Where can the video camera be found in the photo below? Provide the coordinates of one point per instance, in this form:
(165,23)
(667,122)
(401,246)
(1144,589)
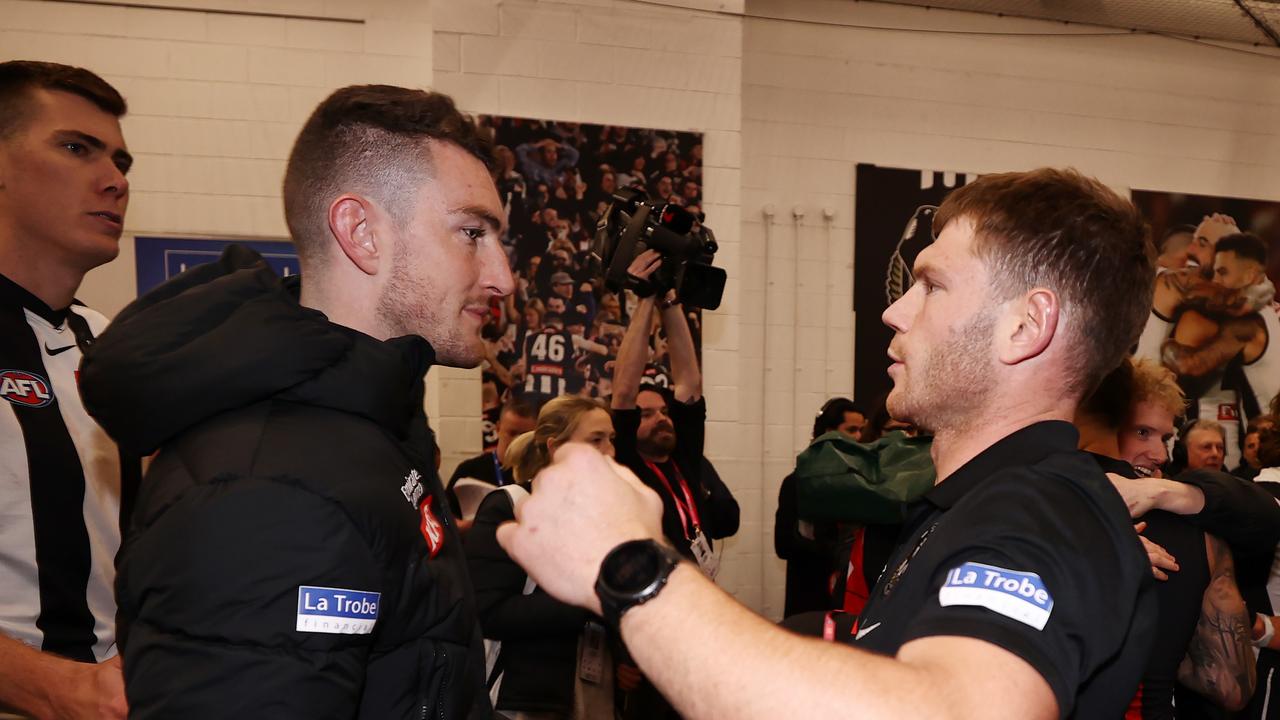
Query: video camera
(632,225)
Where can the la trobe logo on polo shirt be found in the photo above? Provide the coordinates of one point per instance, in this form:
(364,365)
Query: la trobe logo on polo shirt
(1021,596)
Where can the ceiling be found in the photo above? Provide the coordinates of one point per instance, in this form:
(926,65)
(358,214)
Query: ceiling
(1244,21)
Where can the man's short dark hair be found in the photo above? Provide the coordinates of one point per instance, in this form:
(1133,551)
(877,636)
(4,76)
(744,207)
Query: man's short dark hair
(1174,231)
(1246,246)
(520,407)
(831,415)
(1260,422)
(18,78)
(371,139)
(1072,234)
(667,396)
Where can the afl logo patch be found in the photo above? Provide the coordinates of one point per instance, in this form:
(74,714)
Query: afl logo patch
(26,389)
(432,530)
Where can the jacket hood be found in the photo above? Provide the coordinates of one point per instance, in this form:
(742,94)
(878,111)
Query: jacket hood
(229,334)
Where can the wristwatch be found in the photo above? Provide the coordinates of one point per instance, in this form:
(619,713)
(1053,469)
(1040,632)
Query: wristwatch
(633,573)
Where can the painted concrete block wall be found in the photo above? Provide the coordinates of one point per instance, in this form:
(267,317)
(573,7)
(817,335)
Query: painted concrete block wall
(216,99)
(821,95)
(637,64)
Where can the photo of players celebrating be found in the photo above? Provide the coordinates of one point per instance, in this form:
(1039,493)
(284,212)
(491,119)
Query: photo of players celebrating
(560,331)
(1215,316)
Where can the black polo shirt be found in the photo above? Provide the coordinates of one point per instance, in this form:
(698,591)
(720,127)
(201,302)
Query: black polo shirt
(1030,548)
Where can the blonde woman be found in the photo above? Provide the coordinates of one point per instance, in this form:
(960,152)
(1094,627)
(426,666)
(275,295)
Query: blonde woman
(554,663)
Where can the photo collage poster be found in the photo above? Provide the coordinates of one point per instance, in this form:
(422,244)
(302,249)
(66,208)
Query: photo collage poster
(1219,337)
(560,331)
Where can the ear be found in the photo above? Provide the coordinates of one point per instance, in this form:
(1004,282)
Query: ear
(1028,327)
(352,225)
(551,448)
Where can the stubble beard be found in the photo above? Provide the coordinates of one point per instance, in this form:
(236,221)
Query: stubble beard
(411,305)
(955,384)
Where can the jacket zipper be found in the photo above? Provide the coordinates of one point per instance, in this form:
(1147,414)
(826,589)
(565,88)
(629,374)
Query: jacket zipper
(441,684)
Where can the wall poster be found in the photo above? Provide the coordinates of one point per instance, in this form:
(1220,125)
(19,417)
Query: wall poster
(560,331)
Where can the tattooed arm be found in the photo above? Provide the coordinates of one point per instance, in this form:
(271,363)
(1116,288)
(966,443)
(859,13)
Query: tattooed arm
(1220,662)
(1234,336)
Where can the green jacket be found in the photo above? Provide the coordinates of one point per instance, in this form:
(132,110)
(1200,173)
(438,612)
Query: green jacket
(844,480)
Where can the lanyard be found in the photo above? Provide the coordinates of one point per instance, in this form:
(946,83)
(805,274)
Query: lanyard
(499,478)
(687,508)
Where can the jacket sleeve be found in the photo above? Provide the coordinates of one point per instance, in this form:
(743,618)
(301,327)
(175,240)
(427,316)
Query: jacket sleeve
(1238,511)
(505,612)
(721,509)
(690,422)
(626,423)
(213,585)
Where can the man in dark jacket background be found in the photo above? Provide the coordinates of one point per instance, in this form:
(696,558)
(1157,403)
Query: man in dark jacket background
(291,554)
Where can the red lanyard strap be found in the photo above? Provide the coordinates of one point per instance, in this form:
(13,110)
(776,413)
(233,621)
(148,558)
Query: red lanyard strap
(686,508)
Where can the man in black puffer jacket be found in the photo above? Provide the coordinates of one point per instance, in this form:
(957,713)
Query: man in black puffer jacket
(291,554)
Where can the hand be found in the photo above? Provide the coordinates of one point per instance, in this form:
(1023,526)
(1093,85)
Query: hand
(645,264)
(628,677)
(1217,226)
(1160,558)
(582,506)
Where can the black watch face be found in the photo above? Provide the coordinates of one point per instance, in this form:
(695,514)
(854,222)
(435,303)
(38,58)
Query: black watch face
(632,568)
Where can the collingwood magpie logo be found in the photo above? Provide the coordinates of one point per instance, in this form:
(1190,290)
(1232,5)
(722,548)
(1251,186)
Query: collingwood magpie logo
(412,488)
(917,236)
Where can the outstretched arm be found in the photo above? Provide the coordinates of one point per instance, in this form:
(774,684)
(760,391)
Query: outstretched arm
(685,374)
(581,343)
(634,352)
(681,637)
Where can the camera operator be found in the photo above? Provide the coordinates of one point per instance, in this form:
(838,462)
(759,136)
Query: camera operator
(659,437)
(660,434)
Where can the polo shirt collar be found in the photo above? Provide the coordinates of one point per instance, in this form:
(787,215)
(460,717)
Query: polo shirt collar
(1027,446)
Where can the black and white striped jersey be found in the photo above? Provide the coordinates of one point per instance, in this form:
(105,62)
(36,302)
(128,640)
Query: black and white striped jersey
(60,485)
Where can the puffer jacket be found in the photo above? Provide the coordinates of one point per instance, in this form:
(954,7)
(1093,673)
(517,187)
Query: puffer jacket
(290,554)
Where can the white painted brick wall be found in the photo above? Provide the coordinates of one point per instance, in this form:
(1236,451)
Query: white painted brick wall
(216,100)
(817,99)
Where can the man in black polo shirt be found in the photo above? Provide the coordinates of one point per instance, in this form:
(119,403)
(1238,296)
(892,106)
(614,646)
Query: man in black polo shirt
(1203,638)
(1020,589)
